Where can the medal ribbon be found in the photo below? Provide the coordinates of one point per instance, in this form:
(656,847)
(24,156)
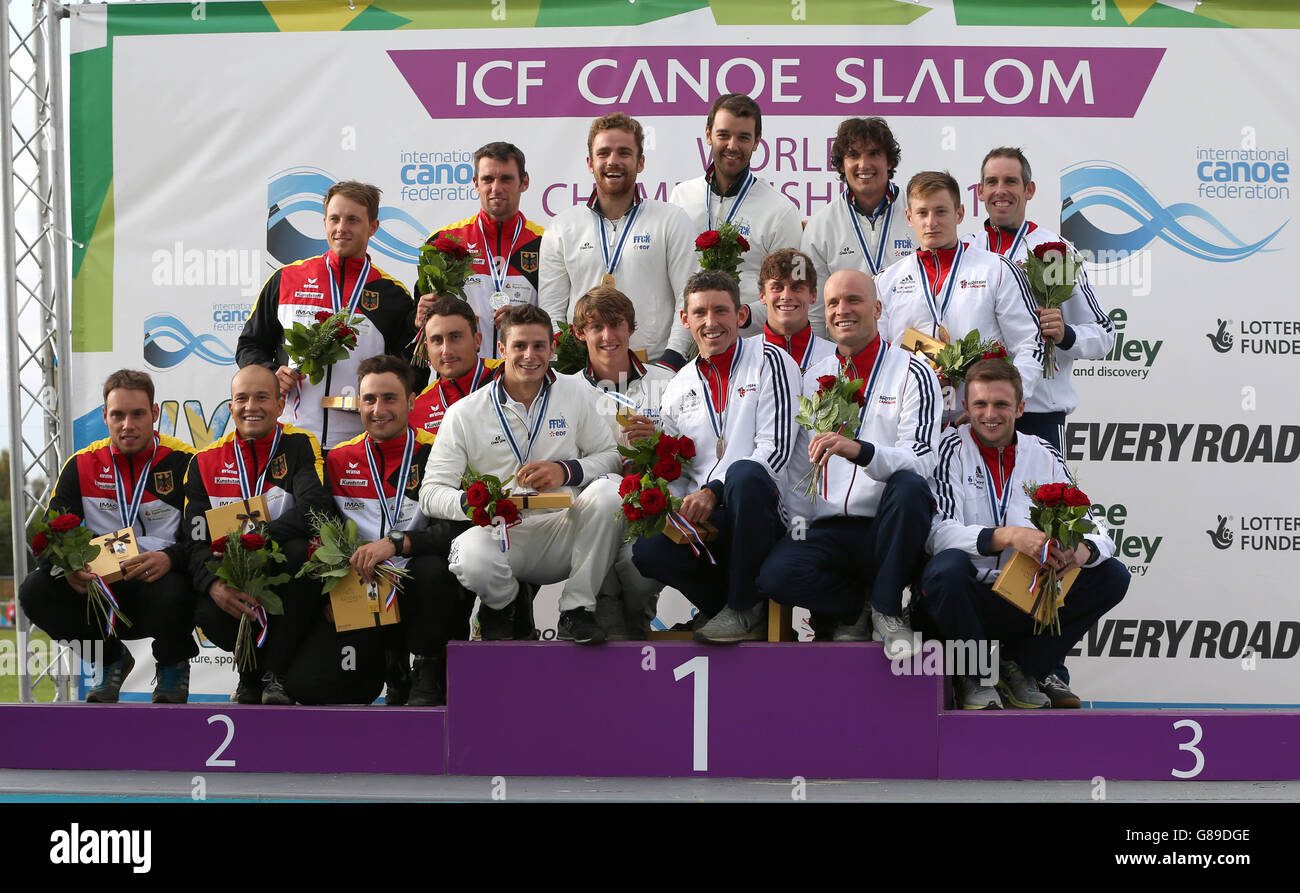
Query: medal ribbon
(499,275)
(113,607)
(938,311)
(245,486)
(1042,560)
(876,263)
(999,509)
(390,516)
(735,206)
(1015,243)
(716,419)
(692,536)
(259,614)
(545,397)
(611,262)
(128,512)
(336,298)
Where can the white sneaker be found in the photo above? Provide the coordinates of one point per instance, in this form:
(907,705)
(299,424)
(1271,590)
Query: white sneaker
(969,694)
(896,633)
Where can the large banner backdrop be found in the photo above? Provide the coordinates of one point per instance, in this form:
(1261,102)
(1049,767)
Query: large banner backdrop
(204,136)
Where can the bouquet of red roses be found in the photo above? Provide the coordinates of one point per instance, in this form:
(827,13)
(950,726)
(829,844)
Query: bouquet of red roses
(243,561)
(570,351)
(721,248)
(313,349)
(647,504)
(67,543)
(836,406)
(1052,269)
(1060,511)
(445,264)
(660,455)
(488,502)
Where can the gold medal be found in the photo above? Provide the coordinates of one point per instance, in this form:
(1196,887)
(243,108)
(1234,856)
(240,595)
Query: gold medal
(607,279)
(943,335)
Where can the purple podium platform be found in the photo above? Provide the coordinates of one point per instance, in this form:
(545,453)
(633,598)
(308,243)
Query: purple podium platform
(681,709)
(232,738)
(1168,744)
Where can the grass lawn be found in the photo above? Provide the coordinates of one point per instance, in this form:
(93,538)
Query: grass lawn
(44,691)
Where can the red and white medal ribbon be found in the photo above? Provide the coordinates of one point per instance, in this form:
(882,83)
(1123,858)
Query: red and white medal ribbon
(1042,560)
(687,529)
(259,614)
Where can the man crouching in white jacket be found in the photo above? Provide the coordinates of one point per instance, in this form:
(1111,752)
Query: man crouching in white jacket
(544,431)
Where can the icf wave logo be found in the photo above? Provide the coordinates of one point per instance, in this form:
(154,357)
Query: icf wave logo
(1105,184)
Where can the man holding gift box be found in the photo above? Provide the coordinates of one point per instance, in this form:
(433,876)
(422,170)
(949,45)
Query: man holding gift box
(283,465)
(738,403)
(132,479)
(604,319)
(787,284)
(545,432)
(342,279)
(730,193)
(641,246)
(434,608)
(451,342)
(870,517)
(982,518)
(950,288)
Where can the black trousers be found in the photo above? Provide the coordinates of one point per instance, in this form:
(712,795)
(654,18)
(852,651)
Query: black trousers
(161,609)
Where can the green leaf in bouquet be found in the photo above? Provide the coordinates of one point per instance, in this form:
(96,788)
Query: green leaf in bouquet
(272,602)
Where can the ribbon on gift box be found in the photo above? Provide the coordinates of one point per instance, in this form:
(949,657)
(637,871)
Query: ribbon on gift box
(250,515)
(687,529)
(113,539)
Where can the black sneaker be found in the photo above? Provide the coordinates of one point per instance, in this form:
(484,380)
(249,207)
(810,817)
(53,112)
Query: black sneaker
(397,687)
(273,693)
(497,624)
(249,690)
(109,679)
(428,683)
(578,625)
(172,683)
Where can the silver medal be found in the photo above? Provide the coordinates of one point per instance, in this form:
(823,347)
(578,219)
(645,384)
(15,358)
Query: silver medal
(498,300)
(722,447)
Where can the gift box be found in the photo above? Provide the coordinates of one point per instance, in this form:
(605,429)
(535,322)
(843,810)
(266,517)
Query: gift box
(708,533)
(114,548)
(918,342)
(350,403)
(358,605)
(1017,575)
(243,516)
(552,499)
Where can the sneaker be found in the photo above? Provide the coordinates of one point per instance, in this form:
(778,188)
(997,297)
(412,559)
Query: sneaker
(273,692)
(730,625)
(1059,694)
(497,624)
(896,633)
(397,678)
(109,679)
(1019,690)
(578,625)
(172,683)
(428,683)
(970,695)
(858,631)
(249,690)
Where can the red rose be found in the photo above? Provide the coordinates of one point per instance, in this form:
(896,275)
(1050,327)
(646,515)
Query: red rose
(508,511)
(39,542)
(710,239)
(1050,494)
(312,545)
(252,541)
(219,546)
(740,240)
(346,333)
(668,469)
(478,495)
(686,447)
(653,501)
(323,315)
(481,518)
(630,484)
(1076,497)
(1042,251)
(449,246)
(860,397)
(632,513)
(667,446)
(997,352)
(64,523)
(825,383)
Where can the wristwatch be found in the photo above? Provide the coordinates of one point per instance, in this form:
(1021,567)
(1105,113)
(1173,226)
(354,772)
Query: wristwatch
(398,539)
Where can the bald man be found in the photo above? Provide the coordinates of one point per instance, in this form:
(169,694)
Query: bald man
(869,521)
(284,465)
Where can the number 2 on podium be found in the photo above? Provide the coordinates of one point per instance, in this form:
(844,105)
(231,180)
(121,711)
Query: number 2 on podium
(699,668)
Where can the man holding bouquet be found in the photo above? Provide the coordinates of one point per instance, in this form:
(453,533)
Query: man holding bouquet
(534,431)
(281,463)
(983,518)
(340,281)
(871,510)
(737,403)
(132,479)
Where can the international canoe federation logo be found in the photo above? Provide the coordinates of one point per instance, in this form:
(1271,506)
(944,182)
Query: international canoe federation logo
(295,202)
(1222,339)
(1221,536)
(1104,184)
(169,342)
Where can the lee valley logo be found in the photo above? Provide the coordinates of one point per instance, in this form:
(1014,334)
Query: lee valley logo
(90,847)
(1256,533)
(1129,358)
(1256,336)
(1127,546)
